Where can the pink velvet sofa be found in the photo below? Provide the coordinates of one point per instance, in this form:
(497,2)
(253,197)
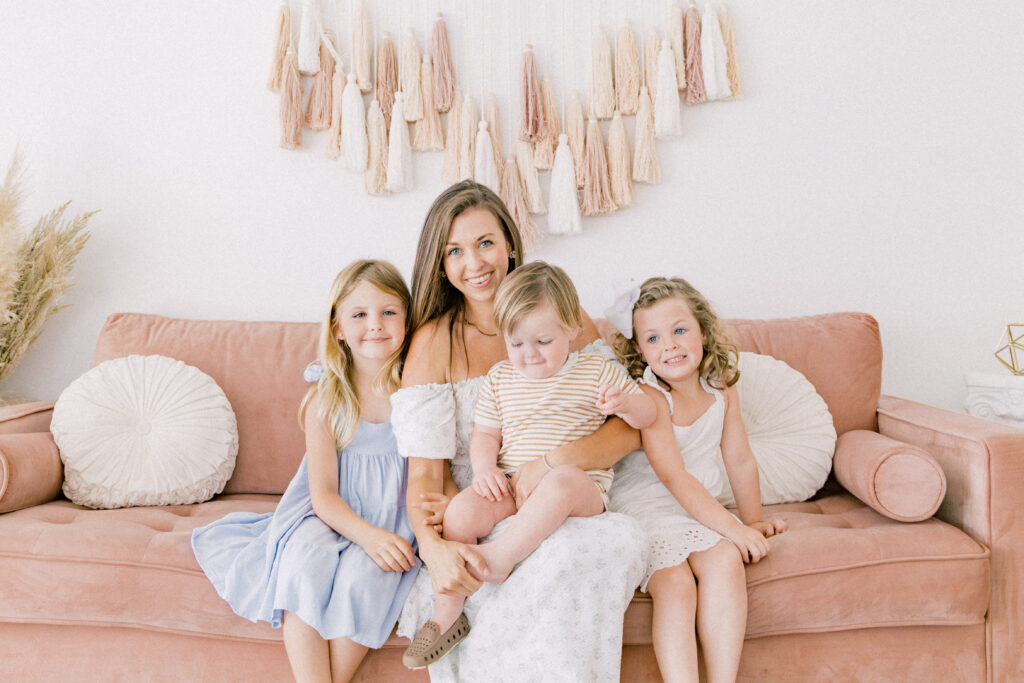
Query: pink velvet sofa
(846,594)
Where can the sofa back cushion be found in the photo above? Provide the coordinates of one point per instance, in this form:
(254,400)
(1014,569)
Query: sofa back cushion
(258,365)
(840,353)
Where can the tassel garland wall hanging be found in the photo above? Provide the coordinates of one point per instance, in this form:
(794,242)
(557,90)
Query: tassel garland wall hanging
(427,134)
(563,202)
(353,126)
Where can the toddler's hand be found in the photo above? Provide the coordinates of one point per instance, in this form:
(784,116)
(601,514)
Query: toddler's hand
(389,551)
(770,527)
(491,484)
(610,400)
(751,543)
(435,504)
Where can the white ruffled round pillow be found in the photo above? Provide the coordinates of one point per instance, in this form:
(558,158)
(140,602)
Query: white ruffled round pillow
(789,427)
(144,430)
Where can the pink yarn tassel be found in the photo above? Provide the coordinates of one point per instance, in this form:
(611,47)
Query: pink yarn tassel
(532,127)
(694,70)
(444,75)
(387,77)
(597,192)
(512,194)
(291,102)
(321,98)
(284,39)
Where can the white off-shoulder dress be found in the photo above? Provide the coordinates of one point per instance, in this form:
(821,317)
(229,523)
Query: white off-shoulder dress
(637,491)
(559,615)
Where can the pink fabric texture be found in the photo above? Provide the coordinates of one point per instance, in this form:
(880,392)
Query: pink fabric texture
(30,470)
(20,418)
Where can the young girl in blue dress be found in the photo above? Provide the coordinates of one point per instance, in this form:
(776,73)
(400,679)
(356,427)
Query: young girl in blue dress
(334,563)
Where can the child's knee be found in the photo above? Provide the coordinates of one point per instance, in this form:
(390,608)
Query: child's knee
(721,560)
(460,515)
(567,478)
(674,584)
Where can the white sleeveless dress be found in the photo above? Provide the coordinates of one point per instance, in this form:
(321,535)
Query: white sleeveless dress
(672,533)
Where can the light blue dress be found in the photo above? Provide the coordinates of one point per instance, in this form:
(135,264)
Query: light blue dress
(289,560)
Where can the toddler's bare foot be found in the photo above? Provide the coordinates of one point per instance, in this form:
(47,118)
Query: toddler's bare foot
(498,566)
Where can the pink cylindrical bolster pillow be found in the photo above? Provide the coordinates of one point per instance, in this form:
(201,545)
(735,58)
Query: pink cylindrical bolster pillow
(31,472)
(900,481)
(22,418)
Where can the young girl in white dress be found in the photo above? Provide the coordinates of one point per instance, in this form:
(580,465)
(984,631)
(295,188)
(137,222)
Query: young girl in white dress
(335,561)
(695,575)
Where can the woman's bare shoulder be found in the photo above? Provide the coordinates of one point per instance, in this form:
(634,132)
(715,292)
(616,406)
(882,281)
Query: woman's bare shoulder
(429,354)
(588,332)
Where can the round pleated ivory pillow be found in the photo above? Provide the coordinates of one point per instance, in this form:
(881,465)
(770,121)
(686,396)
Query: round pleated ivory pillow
(789,428)
(144,430)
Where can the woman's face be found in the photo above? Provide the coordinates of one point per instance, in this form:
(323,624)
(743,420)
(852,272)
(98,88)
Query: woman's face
(476,254)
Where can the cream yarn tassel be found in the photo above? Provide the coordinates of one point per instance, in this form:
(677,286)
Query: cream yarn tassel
(375,176)
(444,76)
(666,108)
(309,38)
(531,112)
(493,119)
(544,150)
(602,89)
(291,102)
(399,173)
(450,160)
(427,134)
(645,157)
(576,130)
(627,70)
(334,134)
(512,195)
(733,68)
(714,57)
(411,88)
(284,39)
(528,177)
(651,49)
(321,98)
(353,126)
(467,138)
(620,163)
(563,202)
(484,170)
(694,71)
(675,23)
(597,193)
(387,77)
(362,48)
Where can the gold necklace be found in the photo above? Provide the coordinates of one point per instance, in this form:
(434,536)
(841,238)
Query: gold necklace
(466,321)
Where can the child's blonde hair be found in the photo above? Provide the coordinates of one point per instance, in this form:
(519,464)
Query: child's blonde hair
(339,402)
(718,367)
(527,287)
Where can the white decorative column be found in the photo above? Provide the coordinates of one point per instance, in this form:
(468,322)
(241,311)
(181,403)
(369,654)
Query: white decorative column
(996,396)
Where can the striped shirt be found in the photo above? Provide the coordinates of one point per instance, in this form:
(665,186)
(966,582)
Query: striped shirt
(535,416)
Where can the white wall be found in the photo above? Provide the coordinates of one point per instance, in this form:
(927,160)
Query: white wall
(874,164)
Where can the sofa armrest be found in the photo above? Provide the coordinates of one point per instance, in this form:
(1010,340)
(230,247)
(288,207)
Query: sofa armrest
(22,418)
(31,472)
(984,466)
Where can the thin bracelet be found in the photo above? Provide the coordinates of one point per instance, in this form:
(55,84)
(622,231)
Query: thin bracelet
(544,459)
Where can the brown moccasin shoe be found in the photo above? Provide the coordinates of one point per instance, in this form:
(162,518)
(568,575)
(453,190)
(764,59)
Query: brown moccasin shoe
(430,645)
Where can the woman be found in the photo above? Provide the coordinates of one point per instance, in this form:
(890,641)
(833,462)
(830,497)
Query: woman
(559,615)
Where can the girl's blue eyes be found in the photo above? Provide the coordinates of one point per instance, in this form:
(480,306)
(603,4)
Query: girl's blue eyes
(653,338)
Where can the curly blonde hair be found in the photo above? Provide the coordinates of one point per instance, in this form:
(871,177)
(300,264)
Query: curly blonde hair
(718,367)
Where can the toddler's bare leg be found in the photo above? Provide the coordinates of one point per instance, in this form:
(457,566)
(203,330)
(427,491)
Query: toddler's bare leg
(566,491)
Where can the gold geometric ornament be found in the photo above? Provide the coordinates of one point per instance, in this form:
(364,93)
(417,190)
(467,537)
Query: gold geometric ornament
(1011,349)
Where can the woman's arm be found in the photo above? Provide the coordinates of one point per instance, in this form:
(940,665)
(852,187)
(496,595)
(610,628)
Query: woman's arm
(388,550)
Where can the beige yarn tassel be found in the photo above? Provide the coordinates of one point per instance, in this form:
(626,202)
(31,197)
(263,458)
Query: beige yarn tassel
(362,49)
(284,39)
(544,150)
(387,77)
(651,49)
(714,56)
(528,177)
(645,156)
(399,164)
(627,71)
(602,89)
(291,101)
(733,69)
(444,76)
(411,88)
(531,112)
(675,23)
(450,161)
(310,30)
(563,200)
(597,192)
(576,130)
(484,169)
(334,134)
(694,77)
(620,164)
(321,98)
(427,134)
(375,177)
(468,120)
(512,195)
(493,119)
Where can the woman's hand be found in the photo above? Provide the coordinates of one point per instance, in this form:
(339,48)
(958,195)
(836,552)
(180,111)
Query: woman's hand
(753,546)
(490,484)
(388,550)
(771,527)
(435,504)
(449,562)
(526,478)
